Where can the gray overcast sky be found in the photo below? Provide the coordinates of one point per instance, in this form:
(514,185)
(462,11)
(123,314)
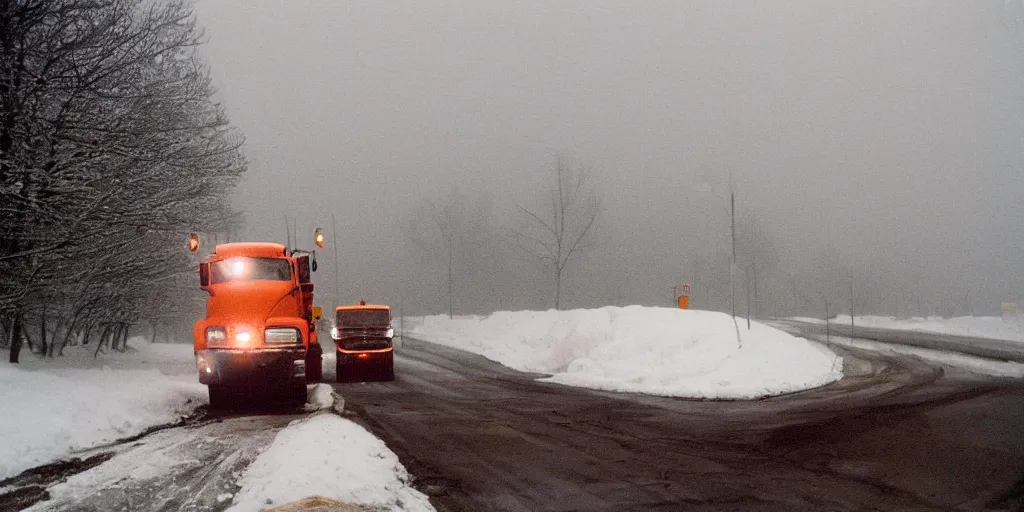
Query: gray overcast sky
(891,131)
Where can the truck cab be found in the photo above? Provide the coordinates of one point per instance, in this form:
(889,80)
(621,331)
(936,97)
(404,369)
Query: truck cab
(363,337)
(259,333)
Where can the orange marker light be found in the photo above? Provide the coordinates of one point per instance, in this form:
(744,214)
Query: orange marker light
(193,242)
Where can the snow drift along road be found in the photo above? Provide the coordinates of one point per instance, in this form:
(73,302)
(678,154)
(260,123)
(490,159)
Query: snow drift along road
(52,410)
(331,457)
(659,351)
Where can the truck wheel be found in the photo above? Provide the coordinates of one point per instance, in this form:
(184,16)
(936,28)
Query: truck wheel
(314,364)
(339,369)
(297,395)
(220,396)
(388,368)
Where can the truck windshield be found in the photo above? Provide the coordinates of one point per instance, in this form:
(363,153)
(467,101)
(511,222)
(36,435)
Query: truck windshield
(364,318)
(251,269)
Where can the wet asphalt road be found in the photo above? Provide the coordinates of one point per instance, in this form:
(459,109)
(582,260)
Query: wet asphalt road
(897,434)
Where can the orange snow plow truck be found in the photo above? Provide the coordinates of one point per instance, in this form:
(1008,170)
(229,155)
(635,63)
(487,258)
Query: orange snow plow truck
(259,336)
(363,337)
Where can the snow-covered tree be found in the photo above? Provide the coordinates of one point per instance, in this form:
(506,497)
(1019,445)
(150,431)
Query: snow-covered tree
(111,150)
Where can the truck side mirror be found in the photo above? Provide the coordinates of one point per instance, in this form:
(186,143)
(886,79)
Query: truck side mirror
(302,267)
(204,275)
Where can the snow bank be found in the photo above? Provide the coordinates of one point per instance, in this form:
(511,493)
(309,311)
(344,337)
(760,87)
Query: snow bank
(327,456)
(323,396)
(660,351)
(53,409)
(973,326)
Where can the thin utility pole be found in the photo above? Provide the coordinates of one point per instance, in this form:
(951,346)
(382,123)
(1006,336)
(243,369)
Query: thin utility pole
(450,308)
(732,222)
(828,331)
(748,306)
(337,270)
(851,304)
(754,268)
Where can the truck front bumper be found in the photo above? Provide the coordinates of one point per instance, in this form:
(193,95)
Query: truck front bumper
(252,368)
(375,357)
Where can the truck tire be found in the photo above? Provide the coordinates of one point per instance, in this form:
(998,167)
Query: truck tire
(314,364)
(297,395)
(340,369)
(388,368)
(221,396)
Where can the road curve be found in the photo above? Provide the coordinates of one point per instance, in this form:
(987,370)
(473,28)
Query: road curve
(896,434)
(999,350)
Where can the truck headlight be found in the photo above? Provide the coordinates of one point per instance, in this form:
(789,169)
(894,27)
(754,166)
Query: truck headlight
(283,335)
(391,333)
(216,336)
(203,365)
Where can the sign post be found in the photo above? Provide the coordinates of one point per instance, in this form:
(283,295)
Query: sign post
(684,298)
(1010,312)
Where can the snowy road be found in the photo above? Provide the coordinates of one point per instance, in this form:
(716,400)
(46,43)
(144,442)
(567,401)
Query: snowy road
(194,467)
(897,433)
(1001,350)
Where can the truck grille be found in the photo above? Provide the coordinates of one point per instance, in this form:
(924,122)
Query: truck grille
(365,343)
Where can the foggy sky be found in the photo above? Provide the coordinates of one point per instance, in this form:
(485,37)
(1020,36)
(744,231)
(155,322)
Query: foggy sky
(890,132)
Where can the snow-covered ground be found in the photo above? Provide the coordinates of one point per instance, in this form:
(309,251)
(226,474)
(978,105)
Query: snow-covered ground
(662,351)
(973,326)
(59,407)
(328,456)
(55,407)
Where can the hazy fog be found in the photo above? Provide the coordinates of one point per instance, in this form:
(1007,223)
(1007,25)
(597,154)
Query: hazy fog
(889,135)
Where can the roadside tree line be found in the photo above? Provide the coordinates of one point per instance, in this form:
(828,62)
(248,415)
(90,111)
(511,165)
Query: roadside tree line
(457,237)
(111,151)
(480,254)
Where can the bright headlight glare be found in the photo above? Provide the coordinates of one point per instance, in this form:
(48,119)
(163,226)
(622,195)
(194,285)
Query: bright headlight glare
(237,267)
(243,337)
(281,335)
(334,332)
(391,332)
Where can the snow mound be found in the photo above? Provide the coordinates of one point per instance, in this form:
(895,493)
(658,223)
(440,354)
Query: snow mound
(331,457)
(661,351)
(322,396)
(51,414)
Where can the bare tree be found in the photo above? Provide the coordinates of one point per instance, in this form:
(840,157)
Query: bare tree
(452,234)
(559,236)
(433,232)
